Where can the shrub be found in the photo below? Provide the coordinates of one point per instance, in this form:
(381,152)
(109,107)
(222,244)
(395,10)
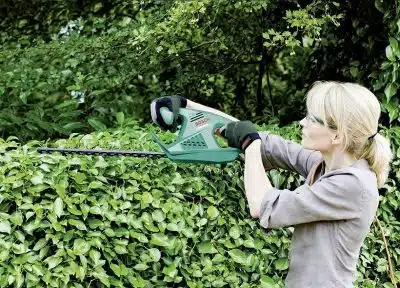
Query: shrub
(89,221)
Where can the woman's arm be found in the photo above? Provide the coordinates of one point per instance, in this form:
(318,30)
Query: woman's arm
(337,196)
(197,106)
(278,152)
(256,182)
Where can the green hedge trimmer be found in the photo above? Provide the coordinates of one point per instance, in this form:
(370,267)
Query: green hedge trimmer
(196,142)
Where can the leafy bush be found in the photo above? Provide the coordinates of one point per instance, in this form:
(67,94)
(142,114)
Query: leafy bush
(60,88)
(92,59)
(89,221)
(131,221)
(52,87)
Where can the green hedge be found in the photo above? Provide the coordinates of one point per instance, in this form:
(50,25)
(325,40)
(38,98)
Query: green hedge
(90,221)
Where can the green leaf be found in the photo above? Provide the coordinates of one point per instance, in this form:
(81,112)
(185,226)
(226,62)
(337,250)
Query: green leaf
(281,264)
(173,227)
(218,283)
(39,244)
(267,282)
(81,247)
(125,21)
(235,232)
(146,199)
(213,212)
(170,270)
(17,218)
(5,227)
(95,256)
(95,210)
(141,267)
(74,87)
(53,261)
(58,207)
(97,124)
(102,276)
(389,53)
(115,269)
(120,249)
(155,254)
(4,254)
(37,178)
(202,222)
(37,269)
(188,232)
(390,90)
(354,72)
(109,232)
(239,257)
(120,118)
(395,46)
(78,224)
(207,247)
(139,236)
(158,215)
(22,23)
(74,126)
(160,240)
(178,180)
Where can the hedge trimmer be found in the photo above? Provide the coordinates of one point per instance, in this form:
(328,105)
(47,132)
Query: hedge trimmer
(195,143)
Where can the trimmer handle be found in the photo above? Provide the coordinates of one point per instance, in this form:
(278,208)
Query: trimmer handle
(167,115)
(165,112)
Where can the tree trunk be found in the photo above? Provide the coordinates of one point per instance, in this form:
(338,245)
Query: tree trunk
(269,60)
(260,94)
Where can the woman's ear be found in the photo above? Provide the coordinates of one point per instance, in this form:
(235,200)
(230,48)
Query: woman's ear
(336,140)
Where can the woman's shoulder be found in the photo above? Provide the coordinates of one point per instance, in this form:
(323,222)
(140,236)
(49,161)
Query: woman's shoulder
(357,178)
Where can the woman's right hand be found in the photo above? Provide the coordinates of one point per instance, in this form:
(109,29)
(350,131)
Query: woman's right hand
(173,103)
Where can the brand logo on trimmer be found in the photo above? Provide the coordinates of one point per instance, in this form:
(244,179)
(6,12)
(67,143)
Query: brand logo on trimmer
(201,122)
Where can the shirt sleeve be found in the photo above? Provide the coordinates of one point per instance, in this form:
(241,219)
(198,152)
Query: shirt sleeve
(334,197)
(277,152)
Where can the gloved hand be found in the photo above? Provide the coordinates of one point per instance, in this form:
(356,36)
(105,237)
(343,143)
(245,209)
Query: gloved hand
(240,134)
(173,103)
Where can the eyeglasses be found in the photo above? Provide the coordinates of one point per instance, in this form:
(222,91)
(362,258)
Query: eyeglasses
(315,119)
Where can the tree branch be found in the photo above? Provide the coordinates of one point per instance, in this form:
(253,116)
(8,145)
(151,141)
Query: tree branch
(391,275)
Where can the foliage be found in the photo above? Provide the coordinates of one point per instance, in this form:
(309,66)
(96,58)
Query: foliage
(120,67)
(89,221)
(128,221)
(76,66)
(252,59)
(60,88)
(386,81)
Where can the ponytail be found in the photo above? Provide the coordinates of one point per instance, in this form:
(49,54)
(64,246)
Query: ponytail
(379,155)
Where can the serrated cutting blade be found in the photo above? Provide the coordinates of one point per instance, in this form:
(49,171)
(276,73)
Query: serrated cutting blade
(150,154)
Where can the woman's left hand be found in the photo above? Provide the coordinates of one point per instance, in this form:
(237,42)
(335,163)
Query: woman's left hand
(240,134)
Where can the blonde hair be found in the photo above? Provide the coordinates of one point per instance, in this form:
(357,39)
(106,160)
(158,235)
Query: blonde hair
(355,112)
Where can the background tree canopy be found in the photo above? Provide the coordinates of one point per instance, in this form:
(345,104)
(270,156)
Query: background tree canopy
(70,68)
(86,60)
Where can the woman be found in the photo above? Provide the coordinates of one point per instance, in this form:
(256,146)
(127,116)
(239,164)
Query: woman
(344,161)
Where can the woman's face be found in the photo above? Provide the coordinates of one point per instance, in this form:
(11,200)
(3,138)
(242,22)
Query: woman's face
(316,135)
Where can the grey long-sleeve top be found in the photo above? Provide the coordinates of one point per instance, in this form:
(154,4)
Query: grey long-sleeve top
(331,213)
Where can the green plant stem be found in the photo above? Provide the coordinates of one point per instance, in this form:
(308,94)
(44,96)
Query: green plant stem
(391,275)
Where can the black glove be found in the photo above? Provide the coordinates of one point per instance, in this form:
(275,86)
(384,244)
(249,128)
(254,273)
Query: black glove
(240,134)
(173,103)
